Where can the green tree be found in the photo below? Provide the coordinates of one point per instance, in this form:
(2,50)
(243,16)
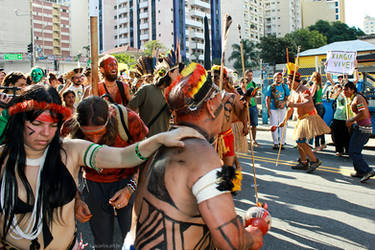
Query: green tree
(306,39)
(336,31)
(126,58)
(273,49)
(153,45)
(251,55)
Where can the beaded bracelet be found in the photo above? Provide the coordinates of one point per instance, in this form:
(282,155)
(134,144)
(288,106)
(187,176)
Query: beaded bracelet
(139,154)
(131,186)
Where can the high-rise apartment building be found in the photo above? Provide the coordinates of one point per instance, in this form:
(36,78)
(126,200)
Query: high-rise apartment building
(51,28)
(281,16)
(137,22)
(328,10)
(248,14)
(369,25)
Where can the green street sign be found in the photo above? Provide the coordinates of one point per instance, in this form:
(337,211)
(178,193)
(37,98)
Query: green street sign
(13,57)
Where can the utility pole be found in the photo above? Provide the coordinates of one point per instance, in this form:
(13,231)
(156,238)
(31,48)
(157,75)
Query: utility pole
(32,57)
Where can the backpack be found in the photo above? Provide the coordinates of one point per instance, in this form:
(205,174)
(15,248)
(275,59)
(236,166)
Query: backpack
(122,122)
(278,104)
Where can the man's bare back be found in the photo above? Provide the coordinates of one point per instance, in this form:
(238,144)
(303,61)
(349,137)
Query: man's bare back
(168,214)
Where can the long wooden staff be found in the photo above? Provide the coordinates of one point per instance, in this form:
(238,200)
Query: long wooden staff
(248,118)
(284,128)
(94,46)
(227,23)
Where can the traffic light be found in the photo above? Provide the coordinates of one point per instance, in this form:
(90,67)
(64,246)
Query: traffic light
(30,48)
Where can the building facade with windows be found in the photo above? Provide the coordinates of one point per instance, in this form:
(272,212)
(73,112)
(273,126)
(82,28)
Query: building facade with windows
(249,15)
(51,28)
(137,22)
(369,25)
(281,17)
(328,10)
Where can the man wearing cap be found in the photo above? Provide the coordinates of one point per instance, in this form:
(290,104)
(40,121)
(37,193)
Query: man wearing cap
(149,100)
(276,97)
(309,123)
(184,201)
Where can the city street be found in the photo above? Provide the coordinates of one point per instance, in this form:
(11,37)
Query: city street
(327,209)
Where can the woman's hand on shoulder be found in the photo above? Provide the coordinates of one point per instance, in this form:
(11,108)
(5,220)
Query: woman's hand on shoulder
(173,137)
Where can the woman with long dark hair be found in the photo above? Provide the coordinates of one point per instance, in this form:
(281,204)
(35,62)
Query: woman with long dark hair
(39,170)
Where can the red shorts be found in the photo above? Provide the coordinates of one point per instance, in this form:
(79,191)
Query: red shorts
(228,138)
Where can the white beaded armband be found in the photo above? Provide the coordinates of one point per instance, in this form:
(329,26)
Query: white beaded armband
(206,187)
(90,155)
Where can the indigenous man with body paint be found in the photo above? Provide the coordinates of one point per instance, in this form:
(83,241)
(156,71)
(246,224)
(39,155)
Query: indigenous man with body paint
(184,201)
(309,123)
(40,171)
(233,110)
(115,90)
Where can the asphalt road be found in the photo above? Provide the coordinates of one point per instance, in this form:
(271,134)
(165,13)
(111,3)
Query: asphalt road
(326,209)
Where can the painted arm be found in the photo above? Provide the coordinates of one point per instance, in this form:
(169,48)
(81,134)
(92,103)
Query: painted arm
(226,228)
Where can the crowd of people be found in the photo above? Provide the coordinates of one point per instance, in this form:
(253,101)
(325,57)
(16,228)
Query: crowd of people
(131,149)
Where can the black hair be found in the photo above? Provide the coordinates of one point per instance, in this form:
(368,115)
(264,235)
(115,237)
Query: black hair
(352,86)
(57,187)
(94,111)
(12,78)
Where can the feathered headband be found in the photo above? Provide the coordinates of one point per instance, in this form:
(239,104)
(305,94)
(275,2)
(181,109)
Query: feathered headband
(35,105)
(168,63)
(195,85)
(144,66)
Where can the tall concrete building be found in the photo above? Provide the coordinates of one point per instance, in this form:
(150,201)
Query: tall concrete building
(281,16)
(51,26)
(328,10)
(369,25)
(15,32)
(137,22)
(248,14)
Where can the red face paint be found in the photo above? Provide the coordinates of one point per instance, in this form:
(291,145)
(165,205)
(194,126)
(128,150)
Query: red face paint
(110,65)
(46,117)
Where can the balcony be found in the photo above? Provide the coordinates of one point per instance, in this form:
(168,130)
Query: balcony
(196,35)
(192,23)
(143,4)
(200,4)
(123,20)
(197,13)
(143,15)
(123,40)
(144,26)
(144,37)
(123,31)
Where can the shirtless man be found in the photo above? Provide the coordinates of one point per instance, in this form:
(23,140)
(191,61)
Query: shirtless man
(233,109)
(361,128)
(181,203)
(115,90)
(309,123)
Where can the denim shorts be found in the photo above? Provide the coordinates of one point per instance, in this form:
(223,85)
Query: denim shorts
(253,115)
